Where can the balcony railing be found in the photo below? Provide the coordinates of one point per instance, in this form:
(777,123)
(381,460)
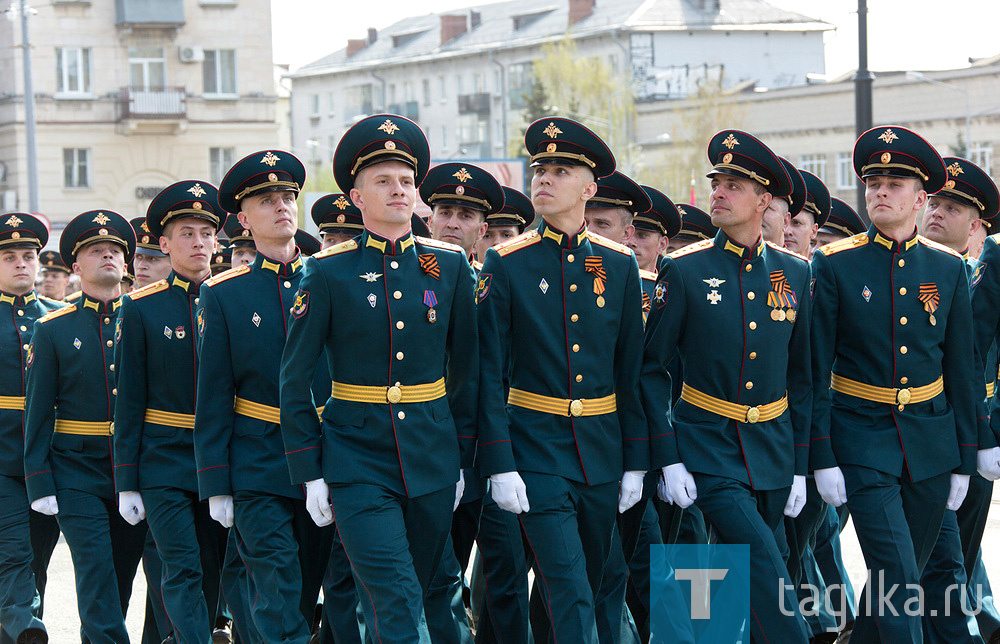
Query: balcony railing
(474,103)
(165,103)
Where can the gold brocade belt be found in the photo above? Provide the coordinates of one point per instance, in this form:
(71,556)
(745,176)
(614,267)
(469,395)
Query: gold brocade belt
(266,413)
(84,427)
(734,411)
(12,402)
(887,395)
(563,406)
(169,418)
(392,395)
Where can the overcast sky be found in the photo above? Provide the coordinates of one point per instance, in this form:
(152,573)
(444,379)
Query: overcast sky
(902,34)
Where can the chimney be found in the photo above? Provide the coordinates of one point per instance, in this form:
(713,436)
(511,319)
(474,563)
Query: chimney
(372,35)
(452,26)
(354,45)
(580,9)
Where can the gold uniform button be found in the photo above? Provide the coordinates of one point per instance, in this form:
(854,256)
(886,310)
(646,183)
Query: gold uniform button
(576,348)
(20,312)
(753,355)
(393,264)
(196,300)
(111,366)
(902,320)
(24,328)
(110,343)
(753,325)
(749,385)
(902,350)
(904,380)
(107,320)
(401,415)
(902,290)
(902,263)
(400,325)
(399,355)
(570,258)
(288,284)
(24,346)
(574,317)
(397,294)
(579,378)
(748,268)
(751,295)
(114,392)
(572,288)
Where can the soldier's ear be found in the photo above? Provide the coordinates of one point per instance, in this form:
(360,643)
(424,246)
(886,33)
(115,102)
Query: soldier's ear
(356,198)
(921,200)
(589,191)
(764,201)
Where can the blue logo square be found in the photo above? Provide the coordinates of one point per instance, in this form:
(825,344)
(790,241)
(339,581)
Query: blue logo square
(699,594)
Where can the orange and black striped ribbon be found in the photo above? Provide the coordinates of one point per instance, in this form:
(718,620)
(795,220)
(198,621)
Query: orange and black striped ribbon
(781,294)
(595,266)
(429,262)
(647,304)
(929,296)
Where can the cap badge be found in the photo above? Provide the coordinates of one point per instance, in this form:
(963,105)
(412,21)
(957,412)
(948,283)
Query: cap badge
(955,169)
(101,219)
(145,239)
(551,147)
(102,231)
(15,235)
(272,177)
(888,136)
(197,205)
(341,202)
(886,157)
(552,131)
(270,159)
(459,190)
(727,157)
(462,175)
(949,184)
(197,190)
(388,127)
(13,221)
(390,145)
(218,259)
(341,219)
(731,141)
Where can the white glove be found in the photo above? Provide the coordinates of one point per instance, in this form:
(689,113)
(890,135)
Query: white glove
(959,488)
(221,509)
(796,497)
(630,490)
(831,486)
(988,463)
(509,492)
(130,507)
(680,484)
(318,502)
(662,491)
(459,489)
(46,505)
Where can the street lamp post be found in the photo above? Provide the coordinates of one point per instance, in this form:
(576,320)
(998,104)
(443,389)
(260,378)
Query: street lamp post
(29,108)
(968,104)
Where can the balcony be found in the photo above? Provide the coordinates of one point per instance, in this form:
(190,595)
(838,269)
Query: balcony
(409,109)
(152,111)
(474,103)
(156,14)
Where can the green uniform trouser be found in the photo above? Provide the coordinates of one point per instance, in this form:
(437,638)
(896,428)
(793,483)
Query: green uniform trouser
(191,547)
(881,504)
(18,596)
(394,544)
(343,622)
(106,552)
(44,538)
(237,590)
(504,616)
(569,530)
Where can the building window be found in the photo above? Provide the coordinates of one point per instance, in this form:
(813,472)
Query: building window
(444,137)
(407,91)
(219,71)
(444,88)
(147,68)
(982,155)
(219,162)
(329,103)
(815,163)
(358,101)
(459,85)
(314,105)
(73,70)
(519,79)
(426,87)
(478,83)
(76,168)
(471,129)
(845,171)
(497,82)
(331,145)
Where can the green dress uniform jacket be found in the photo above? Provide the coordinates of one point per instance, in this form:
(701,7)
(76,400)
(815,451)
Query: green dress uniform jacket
(986,320)
(739,318)
(913,300)
(69,410)
(154,441)
(17,319)
(391,316)
(242,322)
(542,296)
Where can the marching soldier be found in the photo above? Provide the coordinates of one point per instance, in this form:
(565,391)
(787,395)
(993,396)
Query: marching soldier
(571,437)
(842,222)
(653,230)
(737,440)
(782,209)
(399,426)
(55,275)
(150,263)
(894,429)
(21,237)
(802,227)
(241,241)
(337,218)
(222,258)
(154,415)
(71,395)
(306,243)
(610,211)
(516,215)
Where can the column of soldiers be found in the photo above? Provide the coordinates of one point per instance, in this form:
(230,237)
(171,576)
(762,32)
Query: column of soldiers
(561,380)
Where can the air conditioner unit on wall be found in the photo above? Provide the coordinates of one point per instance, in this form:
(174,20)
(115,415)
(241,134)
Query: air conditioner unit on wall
(190,54)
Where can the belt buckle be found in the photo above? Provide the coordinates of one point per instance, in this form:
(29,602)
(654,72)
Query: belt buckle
(576,408)
(753,414)
(903,396)
(111,428)
(393,395)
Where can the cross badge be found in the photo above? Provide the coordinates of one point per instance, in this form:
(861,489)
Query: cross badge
(714,297)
